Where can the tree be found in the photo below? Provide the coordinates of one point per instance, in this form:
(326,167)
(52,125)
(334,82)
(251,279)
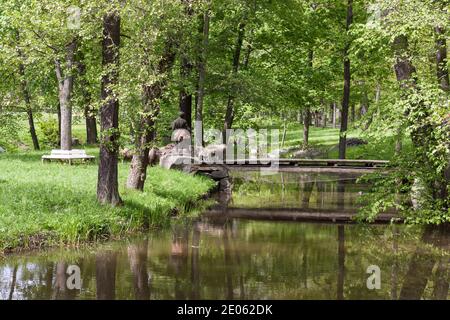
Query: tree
(150,60)
(229,114)
(202,61)
(146,131)
(65,79)
(347,82)
(27,99)
(89,111)
(107,184)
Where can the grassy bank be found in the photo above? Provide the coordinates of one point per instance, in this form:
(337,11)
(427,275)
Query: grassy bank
(48,204)
(327,139)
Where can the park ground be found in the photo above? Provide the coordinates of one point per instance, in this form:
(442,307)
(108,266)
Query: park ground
(55,204)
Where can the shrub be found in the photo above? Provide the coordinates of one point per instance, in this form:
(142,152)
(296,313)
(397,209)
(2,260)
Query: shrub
(50,132)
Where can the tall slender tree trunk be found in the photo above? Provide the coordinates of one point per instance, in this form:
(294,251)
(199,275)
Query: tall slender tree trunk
(91,125)
(202,69)
(105,275)
(137,256)
(107,184)
(353,114)
(306,124)
(185,98)
(13,282)
(307,112)
(146,131)
(65,86)
(341,262)
(441,59)
(347,79)
(444,83)
(89,111)
(27,99)
(333,114)
(229,115)
(58,111)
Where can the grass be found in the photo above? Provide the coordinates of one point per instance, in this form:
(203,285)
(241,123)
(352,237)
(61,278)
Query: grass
(49,204)
(327,139)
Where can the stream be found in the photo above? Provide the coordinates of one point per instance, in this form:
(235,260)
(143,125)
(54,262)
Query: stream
(248,246)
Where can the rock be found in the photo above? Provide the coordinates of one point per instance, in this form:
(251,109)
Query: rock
(153,156)
(225,185)
(167,149)
(212,152)
(126,154)
(179,135)
(355,142)
(175,162)
(220,173)
(75,142)
(2,150)
(23,147)
(308,154)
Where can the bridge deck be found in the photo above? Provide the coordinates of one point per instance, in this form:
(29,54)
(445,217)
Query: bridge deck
(311,162)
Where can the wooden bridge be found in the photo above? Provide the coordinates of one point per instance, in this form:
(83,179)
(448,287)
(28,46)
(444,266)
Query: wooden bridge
(299,165)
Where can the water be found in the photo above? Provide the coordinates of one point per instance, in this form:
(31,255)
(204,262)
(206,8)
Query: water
(222,256)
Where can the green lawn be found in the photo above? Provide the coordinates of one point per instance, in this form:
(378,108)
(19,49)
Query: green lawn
(327,139)
(47,204)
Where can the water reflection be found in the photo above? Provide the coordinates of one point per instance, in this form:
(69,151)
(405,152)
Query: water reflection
(243,260)
(227,258)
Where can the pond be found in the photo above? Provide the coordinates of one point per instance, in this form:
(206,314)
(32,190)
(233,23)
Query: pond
(250,246)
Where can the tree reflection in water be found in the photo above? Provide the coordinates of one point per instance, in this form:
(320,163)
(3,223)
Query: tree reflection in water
(218,257)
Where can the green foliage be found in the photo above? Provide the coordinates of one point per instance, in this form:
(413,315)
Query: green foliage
(8,131)
(49,132)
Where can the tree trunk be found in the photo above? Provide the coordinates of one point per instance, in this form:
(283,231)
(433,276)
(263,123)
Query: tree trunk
(441,59)
(353,117)
(202,69)
(229,116)
(443,79)
(89,111)
(107,185)
(419,271)
(341,262)
(137,255)
(145,135)
(186,97)
(26,97)
(13,282)
(333,114)
(91,125)
(65,86)
(404,69)
(146,131)
(105,275)
(324,117)
(307,112)
(347,79)
(306,123)
(58,111)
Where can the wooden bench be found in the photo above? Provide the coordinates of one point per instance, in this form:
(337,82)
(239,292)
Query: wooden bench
(67,155)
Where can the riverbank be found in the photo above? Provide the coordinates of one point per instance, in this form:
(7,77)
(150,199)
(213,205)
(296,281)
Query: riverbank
(43,205)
